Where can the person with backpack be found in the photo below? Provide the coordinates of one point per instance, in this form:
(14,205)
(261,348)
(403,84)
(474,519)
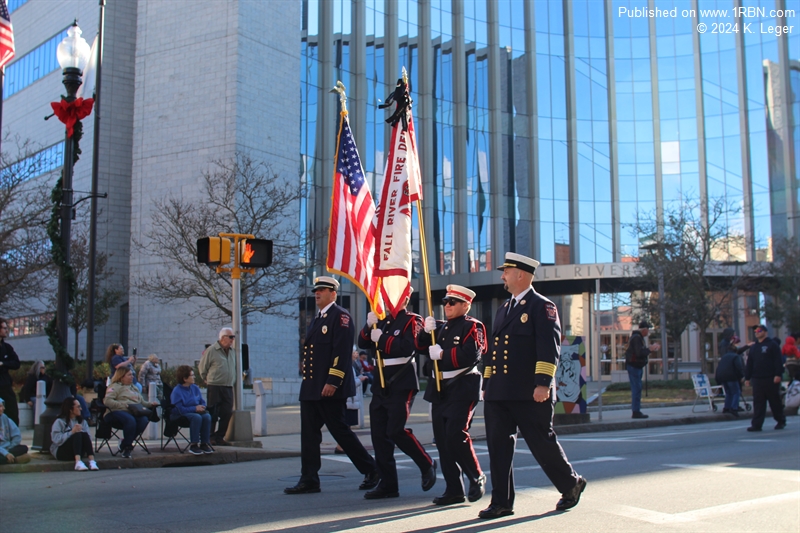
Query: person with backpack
(636,356)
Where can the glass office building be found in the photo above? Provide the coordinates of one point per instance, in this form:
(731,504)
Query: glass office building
(546,127)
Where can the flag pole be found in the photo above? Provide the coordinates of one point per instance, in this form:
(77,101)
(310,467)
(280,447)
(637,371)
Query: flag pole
(426,274)
(339,88)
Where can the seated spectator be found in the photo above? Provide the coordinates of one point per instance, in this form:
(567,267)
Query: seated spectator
(150,373)
(115,357)
(187,401)
(70,436)
(119,395)
(11,451)
(35,374)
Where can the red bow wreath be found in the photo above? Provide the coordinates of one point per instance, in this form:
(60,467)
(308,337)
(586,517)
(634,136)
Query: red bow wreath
(71,112)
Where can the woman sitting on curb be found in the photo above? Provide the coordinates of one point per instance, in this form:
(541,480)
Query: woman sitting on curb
(11,451)
(119,396)
(187,401)
(70,436)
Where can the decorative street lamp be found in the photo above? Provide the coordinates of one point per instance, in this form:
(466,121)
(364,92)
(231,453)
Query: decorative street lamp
(73,54)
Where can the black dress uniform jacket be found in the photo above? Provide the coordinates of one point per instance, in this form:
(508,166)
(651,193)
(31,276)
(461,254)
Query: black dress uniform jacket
(463,342)
(523,349)
(523,354)
(327,356)
(397,340)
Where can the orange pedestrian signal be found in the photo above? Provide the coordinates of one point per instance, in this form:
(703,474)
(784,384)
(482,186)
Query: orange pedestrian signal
(255,253)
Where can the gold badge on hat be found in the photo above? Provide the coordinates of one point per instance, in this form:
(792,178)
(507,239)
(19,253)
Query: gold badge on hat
(523,318)
(325,328)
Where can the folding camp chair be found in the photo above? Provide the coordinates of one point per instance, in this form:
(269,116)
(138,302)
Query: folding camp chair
(172,428)
(107,430)
(703,390)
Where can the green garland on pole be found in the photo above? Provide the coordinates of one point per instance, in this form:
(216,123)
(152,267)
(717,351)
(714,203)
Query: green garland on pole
(59,255)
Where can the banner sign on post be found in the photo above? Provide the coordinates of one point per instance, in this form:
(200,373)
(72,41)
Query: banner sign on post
(571,377)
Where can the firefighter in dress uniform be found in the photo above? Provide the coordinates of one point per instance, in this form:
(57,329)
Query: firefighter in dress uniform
(460,344)
(519,392)
(391,404)
(327,383)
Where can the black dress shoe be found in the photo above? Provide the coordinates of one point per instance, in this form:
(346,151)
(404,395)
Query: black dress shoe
(570,499)
(495,511)
(780,425)
(751,428)
(380,493)
(429,478)
(477,489)
(370,480)
(302,488)
(639,414)
(446,499)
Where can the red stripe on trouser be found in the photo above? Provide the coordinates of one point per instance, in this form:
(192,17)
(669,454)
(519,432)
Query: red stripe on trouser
(469,439)
(409,432)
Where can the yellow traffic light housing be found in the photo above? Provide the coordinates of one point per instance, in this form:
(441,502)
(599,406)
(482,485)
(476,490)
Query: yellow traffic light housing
(214,251)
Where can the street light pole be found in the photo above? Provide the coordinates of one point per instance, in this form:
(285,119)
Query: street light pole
(93,217)
(72,53)
(662,318)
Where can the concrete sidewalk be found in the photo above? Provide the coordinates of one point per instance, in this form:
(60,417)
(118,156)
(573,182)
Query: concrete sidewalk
(283,436)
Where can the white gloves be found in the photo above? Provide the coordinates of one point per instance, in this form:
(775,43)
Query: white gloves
(375,335)
(435,352)
(430,324)
(372,319)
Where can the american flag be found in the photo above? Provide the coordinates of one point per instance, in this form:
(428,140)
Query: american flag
(351,237)
(6,35)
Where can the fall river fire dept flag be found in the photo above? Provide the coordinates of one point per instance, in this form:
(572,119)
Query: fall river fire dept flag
(401,187)
(351,237)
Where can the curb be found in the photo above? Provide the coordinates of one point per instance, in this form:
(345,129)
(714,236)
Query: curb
(45,463)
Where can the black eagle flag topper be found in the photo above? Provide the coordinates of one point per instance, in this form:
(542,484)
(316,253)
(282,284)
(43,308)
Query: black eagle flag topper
(401,97)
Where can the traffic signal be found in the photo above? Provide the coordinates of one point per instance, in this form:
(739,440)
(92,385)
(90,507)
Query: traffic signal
(214,251)
(255,253)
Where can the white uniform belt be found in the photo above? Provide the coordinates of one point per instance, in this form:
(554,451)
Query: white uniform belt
(448,374)
(396,361)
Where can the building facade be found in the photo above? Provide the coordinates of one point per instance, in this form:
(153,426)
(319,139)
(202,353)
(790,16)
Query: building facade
(544,127)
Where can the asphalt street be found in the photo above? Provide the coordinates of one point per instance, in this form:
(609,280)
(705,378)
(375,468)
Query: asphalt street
(703,477)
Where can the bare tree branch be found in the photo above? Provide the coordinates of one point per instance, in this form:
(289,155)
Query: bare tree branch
(240,196)
(24,205)
(684,249)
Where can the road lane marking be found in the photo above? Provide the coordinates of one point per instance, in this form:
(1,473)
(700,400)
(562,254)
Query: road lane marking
(734,468)
(656,517)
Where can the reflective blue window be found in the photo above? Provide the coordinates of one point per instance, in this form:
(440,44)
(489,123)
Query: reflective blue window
(552,143)
(13,5)
(633,82)
(309,90)
(721,117)
(443,123)
(42,162)
(478,124)
(34,65)
(594,166)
